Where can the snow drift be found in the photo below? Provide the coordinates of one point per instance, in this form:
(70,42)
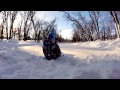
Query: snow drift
(88,60)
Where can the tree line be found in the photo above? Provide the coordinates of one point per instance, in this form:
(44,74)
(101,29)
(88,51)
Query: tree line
(29,27)
(95,25)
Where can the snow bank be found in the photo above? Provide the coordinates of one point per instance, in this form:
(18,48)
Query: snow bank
(25,60)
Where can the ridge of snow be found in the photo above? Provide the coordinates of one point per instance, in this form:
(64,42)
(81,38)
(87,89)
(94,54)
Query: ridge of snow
(84,60)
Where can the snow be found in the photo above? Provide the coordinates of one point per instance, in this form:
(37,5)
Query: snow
(84,60)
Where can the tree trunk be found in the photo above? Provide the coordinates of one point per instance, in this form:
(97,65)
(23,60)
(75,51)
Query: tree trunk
(11,32)
(115,23)
(7,28)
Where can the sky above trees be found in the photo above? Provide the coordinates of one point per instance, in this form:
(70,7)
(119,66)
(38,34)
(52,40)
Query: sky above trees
(66,26)
(62,23)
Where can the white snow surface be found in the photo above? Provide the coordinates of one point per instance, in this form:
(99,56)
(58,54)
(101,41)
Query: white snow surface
(84,60)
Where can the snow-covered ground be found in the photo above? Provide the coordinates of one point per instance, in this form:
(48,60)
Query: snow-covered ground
(88,60)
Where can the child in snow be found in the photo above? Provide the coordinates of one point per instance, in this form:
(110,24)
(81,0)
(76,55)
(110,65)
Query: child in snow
(51,37)
(50,47)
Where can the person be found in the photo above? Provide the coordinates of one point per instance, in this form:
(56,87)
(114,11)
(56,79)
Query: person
(52,46)
(52,35)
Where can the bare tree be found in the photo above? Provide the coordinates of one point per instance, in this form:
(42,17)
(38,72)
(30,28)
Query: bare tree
(37,25)
(76,37)
(20,30)
(4,22)
(27,15)
(79,26)
(106,26)
(94,15)
(12,15)
(116,22)
(7,13)
(60,36)
(87,26)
